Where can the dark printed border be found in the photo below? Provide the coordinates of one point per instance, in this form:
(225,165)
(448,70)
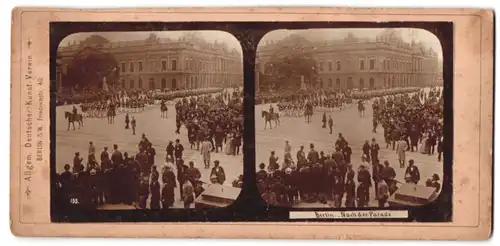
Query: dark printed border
(249,206)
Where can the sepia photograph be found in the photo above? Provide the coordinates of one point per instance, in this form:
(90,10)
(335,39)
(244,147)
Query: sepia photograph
(148,120)
(349,118)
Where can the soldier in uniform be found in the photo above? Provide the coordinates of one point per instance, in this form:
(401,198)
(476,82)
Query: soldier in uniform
(134,124)
(330,123)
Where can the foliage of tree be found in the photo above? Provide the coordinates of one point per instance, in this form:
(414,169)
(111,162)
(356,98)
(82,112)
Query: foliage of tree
(88,68)
(291,59)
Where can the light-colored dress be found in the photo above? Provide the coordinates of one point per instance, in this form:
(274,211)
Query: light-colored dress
(423,146)
(229,142)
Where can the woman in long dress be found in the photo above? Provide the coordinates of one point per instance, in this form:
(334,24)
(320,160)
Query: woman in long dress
(423,146)
(229,142)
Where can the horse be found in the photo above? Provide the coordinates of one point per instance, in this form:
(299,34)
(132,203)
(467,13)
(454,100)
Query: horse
(308,113)
(269,117)
(72,118)
(111,114)
(164,110)
(361,109)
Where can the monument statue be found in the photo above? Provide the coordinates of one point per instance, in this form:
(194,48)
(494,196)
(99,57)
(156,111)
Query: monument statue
(303,85)
(104,84)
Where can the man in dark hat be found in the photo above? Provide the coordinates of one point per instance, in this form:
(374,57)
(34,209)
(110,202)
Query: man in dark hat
(374,148)
(330,123)
(273,162)
(91,157)
(435,182)
(412,174)
(193,173)
(312,156)
(105,161)
(116,157)
(77,163)
(341,142)
(350,190)
(388,174)
(170,152)
(178,150)
(218,171)
(366,150)
(365,182)
(134,124)
(261,174)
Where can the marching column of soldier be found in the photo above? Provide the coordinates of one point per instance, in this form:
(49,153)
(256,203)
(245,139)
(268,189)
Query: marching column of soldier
(323,177)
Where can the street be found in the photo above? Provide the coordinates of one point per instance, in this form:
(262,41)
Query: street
(355,130)
(159,131)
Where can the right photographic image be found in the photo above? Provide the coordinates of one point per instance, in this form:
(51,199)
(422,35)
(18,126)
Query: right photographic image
(349,117)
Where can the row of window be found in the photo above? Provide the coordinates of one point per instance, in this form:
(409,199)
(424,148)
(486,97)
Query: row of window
(349,82)
(190,64)
(140,68)
(193,81)
(387,64)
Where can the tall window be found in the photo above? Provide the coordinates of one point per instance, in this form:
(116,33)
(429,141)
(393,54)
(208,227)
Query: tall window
(140,83)
(361,64)
(163,83)
(321,66)
(140,66)
(330,83)
(152,66)
(151,83)
(187,64)
(174,65)
(372,83)
(132,84)
(174,84)
(123,83)
(123,67)
(361,83)
(330,66)
(372,64)
(163,65)
(338,82)
(338,65)
(131,66)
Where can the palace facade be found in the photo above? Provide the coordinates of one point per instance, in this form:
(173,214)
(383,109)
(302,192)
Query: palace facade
(385,62)
(186,63)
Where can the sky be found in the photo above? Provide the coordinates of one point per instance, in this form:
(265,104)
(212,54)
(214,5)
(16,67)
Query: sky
(210,36)
(424,36)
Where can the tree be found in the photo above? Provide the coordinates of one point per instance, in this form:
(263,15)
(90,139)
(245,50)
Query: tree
(292,58)
(88,68)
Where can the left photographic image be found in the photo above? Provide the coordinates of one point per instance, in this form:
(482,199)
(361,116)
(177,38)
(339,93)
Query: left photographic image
(148,120)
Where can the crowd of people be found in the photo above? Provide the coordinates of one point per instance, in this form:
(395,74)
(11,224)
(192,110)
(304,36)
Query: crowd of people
(411,122)
(212,121)
(120,178)
(329,177)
